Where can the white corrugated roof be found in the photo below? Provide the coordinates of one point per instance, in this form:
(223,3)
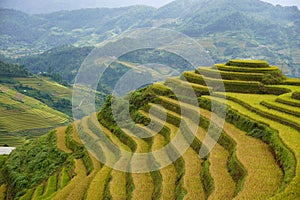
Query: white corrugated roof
(6,150)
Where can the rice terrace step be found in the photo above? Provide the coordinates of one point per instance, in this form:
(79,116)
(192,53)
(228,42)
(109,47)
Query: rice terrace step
(255,157)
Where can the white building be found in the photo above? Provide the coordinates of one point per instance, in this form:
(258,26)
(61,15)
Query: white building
(6,150)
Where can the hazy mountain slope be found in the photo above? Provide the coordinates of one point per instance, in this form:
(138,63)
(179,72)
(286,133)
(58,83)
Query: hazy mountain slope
(24,34)
(90,26)
(194,8)
(248,29)
(37,6)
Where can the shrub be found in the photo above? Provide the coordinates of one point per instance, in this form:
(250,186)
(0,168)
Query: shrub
(157,183)
(32,163)
(296,95)
(206,178)
(272,78)
(129,185)
(106,194)
(180,169)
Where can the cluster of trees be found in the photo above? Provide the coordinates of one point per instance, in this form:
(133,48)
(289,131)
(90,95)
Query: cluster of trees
(60,63)
(32,163)
(63,105)
(13,70)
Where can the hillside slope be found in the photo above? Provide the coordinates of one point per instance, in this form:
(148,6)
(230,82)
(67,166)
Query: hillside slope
(21,114)
(257,153)
(29,103)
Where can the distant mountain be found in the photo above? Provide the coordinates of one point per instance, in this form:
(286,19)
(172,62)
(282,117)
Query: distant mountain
(249,29)
(39,7)
(22,33)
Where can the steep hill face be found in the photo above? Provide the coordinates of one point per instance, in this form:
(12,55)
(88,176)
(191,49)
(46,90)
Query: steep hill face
(30,104)
(23,117)
(256,155)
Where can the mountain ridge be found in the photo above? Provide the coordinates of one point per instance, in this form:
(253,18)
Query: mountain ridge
(270,32)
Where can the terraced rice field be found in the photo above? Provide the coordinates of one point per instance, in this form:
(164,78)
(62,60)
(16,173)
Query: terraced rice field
(247,150)
(2,191)
(289,136)
(252,159)
(288,100)
(168,173)
(61,140)
(26,113)
(256,100)
(10,140)
(142,181)
(46,84)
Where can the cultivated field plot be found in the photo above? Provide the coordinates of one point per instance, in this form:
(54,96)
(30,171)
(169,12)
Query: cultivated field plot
(46,85)
(20,112)
(256,155)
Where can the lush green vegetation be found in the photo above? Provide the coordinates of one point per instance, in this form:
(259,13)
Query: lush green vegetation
(64,178)
(296,95)
(257,151)
(79,150)
(32,163)
(22,114)
(63,60)
(51,187)
(12,70)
